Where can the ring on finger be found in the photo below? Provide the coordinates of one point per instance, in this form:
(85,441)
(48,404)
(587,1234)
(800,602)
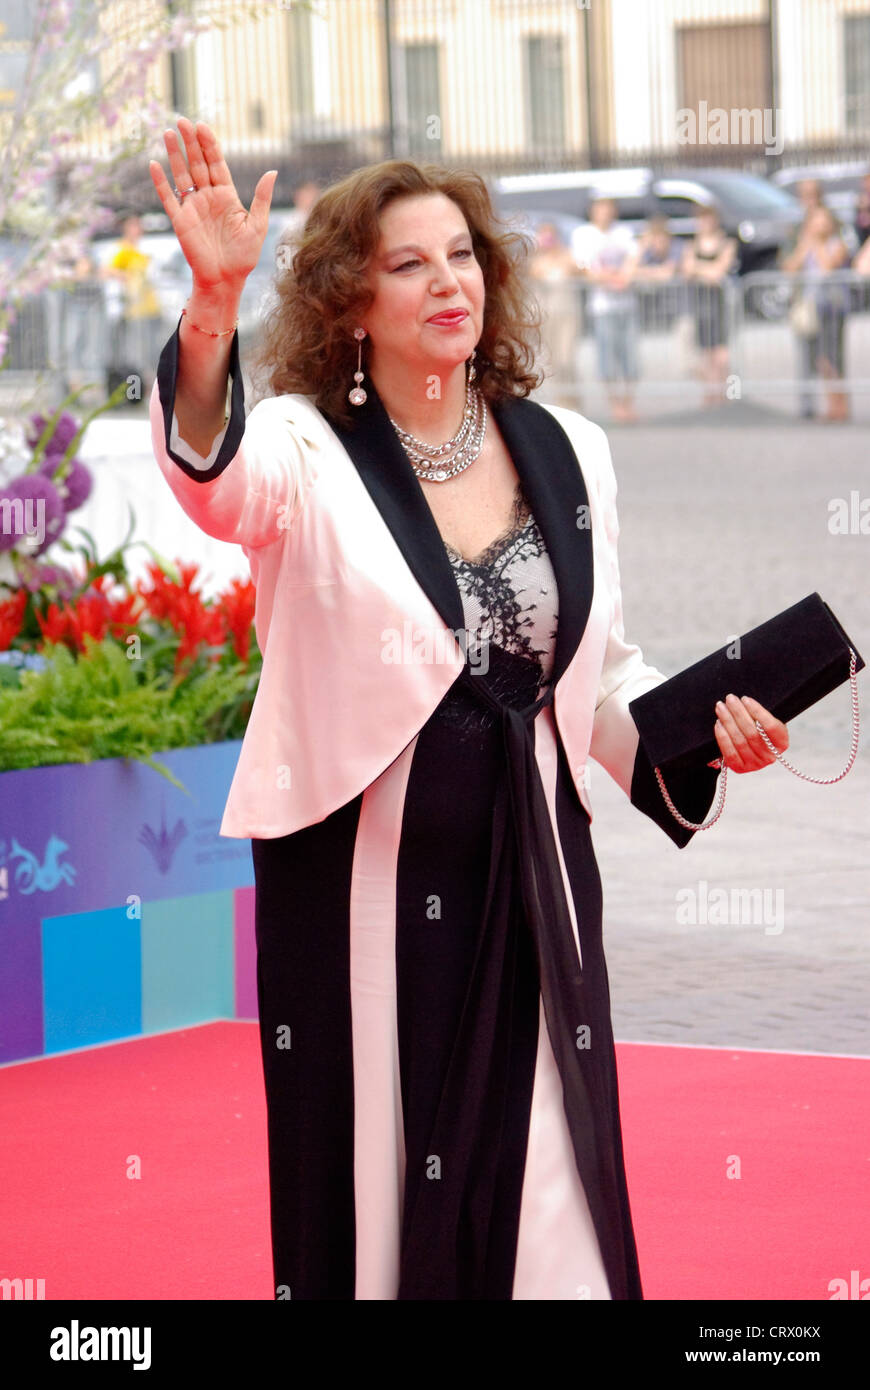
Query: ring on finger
(181,195)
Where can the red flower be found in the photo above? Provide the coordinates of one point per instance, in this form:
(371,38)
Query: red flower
(11,618)
(237,605)
(182,606)
(121,613)
(54,625)
(198,624)
(188,574)
(70,623)
(89,615)
(124,613)
(159,596)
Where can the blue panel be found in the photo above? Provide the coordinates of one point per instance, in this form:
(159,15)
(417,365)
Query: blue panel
(91,978)
(187,961)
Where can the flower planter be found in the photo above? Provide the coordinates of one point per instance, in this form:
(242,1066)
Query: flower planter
(122,910)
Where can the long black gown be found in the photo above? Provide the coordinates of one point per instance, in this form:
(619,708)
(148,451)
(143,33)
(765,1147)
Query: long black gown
(407,1178)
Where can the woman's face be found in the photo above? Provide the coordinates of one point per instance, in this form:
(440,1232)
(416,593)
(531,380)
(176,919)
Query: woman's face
(424,266)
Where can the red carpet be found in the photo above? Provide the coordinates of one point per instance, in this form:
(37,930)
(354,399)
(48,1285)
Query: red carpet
(190,1106)
(798,1216)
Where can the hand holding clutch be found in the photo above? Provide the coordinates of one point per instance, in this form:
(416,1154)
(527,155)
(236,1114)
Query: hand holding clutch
(741,745)
(793,660)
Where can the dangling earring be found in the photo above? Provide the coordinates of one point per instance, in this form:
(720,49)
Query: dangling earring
(358,396)
(471,372)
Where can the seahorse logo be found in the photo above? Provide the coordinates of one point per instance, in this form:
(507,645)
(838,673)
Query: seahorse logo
(30,874)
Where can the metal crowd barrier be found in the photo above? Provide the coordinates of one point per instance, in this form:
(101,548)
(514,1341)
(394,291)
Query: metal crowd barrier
(670,342)
(63,338)
(748,337)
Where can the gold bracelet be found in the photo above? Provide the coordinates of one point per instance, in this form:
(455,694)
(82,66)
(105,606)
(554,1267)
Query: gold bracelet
(226,332)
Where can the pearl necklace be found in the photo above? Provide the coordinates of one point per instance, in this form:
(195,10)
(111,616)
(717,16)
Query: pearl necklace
(463,448)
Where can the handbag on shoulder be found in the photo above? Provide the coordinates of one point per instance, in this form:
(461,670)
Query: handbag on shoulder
(787,664)
(804,317)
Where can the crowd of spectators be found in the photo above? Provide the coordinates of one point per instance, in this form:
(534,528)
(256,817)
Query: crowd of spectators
(616,268)
(112,321)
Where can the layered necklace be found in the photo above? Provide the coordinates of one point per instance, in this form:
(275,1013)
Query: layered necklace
(438,462)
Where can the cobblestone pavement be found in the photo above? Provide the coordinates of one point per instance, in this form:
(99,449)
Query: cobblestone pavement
(720,529)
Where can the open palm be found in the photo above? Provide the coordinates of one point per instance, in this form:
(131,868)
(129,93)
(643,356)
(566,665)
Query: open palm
(221,241)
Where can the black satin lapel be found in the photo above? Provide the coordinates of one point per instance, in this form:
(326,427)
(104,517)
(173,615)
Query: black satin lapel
(386,471)
(553,482)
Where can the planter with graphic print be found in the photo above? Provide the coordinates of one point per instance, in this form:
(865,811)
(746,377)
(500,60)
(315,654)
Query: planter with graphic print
(122,910)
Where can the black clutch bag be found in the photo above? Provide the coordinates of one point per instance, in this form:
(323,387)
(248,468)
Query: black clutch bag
(787,664)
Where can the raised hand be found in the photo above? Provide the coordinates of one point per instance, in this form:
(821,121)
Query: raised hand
(221,241)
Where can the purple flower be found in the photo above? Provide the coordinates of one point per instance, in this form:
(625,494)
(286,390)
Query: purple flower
(75,488)
(38,519)
(35,576)
(64,430)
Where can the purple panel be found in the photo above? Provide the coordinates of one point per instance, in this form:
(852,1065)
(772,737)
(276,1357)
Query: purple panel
(21,1028)
(246,954)
(81,837)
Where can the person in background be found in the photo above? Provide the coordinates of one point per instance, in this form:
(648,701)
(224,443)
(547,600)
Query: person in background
(659,253)
(607,253)
(658,262)
(809,192)
(707,261)
(861,263)
(862,212)
(821,252)
(552,269)
(141,322)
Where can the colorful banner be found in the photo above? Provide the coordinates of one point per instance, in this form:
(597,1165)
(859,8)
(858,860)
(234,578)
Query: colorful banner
(122,909)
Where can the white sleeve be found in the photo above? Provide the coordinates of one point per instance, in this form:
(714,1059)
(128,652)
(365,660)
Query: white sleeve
(187,452)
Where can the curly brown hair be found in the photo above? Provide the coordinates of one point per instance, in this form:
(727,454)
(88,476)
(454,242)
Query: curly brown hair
(307,345)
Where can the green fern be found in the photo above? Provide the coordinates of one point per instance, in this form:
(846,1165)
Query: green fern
(102,705)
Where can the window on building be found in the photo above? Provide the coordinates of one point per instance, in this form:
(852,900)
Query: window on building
(423,99)
(727,66)
(545,91)
(856,70)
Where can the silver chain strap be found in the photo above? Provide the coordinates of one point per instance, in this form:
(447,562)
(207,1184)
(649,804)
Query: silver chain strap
(718,808)
(853,751)
(818,781)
